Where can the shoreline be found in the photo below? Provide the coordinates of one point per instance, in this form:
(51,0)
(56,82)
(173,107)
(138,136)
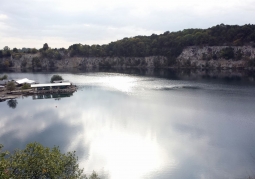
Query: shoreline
(8,95)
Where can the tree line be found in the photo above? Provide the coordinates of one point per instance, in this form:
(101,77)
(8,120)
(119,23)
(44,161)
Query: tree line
(168,44)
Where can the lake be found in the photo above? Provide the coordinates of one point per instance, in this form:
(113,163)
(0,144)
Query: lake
(127,126)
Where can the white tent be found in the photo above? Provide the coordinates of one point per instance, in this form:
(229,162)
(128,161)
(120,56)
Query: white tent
(25,80)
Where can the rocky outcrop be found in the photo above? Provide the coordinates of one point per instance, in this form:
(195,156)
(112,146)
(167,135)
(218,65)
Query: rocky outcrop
(217,57)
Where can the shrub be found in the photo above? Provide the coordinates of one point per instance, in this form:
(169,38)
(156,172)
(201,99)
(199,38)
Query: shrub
(11,86)
(227,53)
(4,77)
(55,78)
(37,161)
(26,86)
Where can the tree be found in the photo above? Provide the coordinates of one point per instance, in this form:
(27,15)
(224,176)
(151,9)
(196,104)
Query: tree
(6,48)
(45,46)
(4,77)
(15,50)
(34,50)
(11,86)
(37,161)
(55,78)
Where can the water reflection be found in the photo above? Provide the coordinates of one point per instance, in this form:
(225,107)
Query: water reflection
(56,96)
(126,126)
(12,103)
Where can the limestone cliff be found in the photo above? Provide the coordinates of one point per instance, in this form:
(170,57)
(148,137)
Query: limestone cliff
(35,61)
(217,57)
(211,57)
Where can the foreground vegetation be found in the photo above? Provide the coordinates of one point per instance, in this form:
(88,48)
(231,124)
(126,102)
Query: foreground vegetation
(37,161)
(168,44)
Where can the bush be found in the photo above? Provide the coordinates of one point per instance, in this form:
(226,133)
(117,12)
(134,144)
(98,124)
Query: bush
(4,77)
(37,161)
(227,53)
(26,86)
(11,86)
(55,78)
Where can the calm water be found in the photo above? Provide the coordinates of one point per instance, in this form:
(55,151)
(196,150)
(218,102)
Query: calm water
(128,126)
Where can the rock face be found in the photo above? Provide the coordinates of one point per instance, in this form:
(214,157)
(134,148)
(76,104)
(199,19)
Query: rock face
(215,57)
(28,61)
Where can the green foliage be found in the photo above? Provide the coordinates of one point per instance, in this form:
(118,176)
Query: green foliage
(33,50)
(51,64)
(23,64)
(168,44)
(3,163)
(11,86)
(6,48)
(227,53)
(4,77)
(15,50)
(5,64)
(52,54)
(171,44)
(26,86)
(36,63)
(37,161)
(55,78)
(45,46)
(6,52)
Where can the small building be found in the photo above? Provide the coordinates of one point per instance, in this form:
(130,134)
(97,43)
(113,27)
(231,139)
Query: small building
(50,86)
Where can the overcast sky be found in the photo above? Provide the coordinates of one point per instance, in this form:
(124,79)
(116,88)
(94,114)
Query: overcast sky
(61,23)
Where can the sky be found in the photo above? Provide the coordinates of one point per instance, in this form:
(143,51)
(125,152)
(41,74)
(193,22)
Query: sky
(61,23)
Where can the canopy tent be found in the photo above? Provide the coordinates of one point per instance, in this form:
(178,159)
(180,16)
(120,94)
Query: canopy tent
(24,80)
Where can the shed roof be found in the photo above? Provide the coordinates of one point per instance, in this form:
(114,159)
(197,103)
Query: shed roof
(50,84)
(24,80)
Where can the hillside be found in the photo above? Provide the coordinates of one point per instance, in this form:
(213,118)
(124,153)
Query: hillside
(221,46)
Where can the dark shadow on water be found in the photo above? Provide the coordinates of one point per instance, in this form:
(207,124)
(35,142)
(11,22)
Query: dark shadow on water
(12,103)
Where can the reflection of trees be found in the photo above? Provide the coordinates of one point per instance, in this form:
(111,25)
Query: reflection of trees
(12,103)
